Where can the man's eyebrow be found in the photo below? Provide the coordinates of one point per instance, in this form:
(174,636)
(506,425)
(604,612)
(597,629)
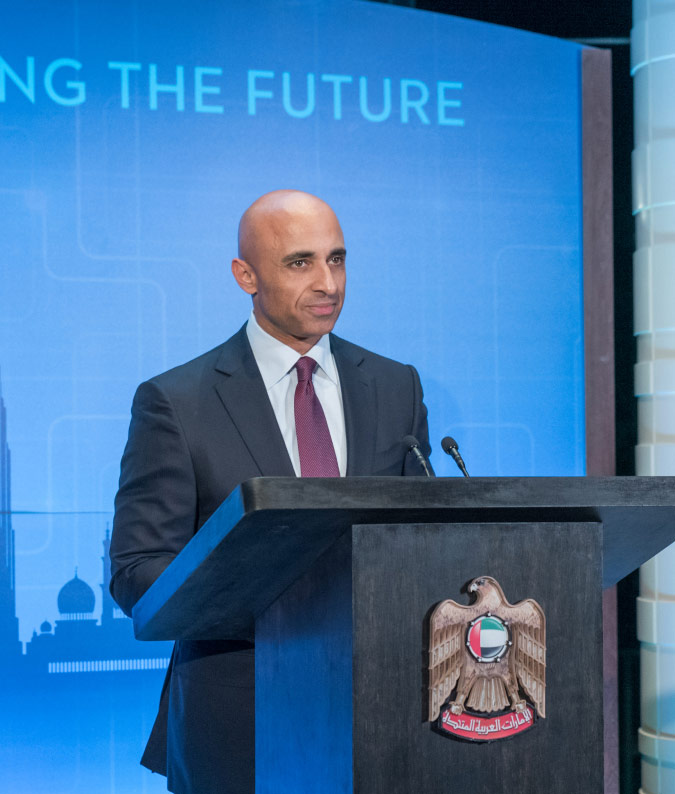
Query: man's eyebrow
(298,255)
(311,254)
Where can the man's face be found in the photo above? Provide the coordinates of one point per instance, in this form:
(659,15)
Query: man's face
(297,272)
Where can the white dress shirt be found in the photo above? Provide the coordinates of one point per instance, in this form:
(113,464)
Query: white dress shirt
(276,362)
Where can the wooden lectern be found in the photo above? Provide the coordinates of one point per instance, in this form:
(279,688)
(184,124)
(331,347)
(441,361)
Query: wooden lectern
(336,579)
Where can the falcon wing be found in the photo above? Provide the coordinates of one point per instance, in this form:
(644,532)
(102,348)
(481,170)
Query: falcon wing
(446,653)
(528,629)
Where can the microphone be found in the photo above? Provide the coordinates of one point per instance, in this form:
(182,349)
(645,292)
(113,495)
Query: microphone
(413,445)
(450,447)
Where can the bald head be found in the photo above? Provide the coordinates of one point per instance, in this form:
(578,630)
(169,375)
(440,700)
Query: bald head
(292,262)
(266,218)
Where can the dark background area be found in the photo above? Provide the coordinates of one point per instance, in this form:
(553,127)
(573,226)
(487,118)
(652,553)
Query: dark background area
(607,24)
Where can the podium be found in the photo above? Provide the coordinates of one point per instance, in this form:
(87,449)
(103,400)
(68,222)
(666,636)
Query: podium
(336,579)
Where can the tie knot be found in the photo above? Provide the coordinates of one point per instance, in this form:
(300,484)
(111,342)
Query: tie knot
(305,367)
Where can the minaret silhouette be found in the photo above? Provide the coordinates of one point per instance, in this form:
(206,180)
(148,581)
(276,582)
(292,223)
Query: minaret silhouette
(10,647)
(107,613)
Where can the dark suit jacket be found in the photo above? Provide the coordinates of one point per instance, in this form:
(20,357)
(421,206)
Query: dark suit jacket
(196,432)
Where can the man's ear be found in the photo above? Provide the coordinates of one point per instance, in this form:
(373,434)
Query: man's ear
(244,275)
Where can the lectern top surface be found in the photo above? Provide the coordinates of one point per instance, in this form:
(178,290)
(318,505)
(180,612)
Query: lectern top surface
(276,527)
(428,493)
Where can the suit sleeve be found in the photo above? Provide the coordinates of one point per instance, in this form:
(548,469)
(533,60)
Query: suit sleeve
(156,505)
(419,426)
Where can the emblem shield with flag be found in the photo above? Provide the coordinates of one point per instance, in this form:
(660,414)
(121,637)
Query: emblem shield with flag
(487,638)
(487,665)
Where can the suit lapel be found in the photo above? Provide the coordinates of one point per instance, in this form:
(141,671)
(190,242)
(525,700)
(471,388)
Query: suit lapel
(242,392)
(359,403)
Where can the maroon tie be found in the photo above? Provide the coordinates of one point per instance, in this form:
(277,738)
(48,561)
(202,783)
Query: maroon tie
(317,456)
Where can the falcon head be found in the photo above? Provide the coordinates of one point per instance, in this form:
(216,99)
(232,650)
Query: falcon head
(481,583)
(487,589)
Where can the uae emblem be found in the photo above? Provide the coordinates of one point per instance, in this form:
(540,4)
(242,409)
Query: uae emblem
(487,665)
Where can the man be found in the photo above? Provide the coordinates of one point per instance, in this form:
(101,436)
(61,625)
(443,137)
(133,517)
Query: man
(283,396)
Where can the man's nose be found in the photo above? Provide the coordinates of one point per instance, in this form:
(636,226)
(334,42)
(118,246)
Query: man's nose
(325,279)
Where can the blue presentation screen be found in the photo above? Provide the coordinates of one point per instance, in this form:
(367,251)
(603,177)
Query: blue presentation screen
(132,137)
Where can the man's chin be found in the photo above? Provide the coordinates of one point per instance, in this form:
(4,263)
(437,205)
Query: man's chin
(310,333)
(325,326)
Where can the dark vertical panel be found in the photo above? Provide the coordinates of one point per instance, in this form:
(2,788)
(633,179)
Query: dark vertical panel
(626,408)
(598,245)
(598,260)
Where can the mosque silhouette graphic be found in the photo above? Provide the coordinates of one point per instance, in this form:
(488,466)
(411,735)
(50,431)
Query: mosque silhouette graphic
(78,642)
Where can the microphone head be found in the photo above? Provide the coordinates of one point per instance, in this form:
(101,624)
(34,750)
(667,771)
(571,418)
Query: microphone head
(410,442)
(449,445)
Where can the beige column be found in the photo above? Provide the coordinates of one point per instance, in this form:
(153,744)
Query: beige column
(653,69)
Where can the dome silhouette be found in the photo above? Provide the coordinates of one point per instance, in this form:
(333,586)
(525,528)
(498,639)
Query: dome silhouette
(45,627)
(76,597)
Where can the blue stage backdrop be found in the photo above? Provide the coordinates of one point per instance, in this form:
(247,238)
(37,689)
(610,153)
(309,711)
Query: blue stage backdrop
(132,136)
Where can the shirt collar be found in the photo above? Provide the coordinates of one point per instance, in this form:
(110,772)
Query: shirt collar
(275,359)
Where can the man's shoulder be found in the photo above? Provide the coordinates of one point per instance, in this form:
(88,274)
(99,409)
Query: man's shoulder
(362,356)
(194,372)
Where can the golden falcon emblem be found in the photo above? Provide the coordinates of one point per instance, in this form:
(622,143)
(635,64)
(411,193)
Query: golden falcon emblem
(487,665)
